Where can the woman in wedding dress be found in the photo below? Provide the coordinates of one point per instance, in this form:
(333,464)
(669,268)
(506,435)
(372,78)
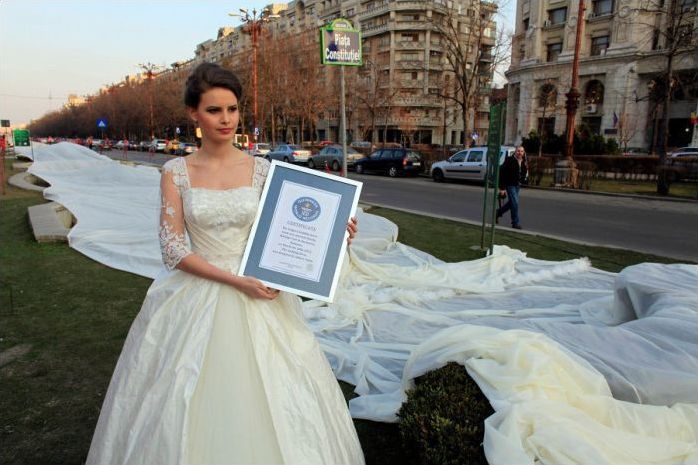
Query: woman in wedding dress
(218,368)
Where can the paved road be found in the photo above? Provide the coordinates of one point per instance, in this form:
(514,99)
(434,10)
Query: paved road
(659,227)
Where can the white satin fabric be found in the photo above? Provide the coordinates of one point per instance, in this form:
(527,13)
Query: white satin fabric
(210,376)
(539,330)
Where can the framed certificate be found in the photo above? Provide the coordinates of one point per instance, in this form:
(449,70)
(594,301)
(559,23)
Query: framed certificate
(298,239)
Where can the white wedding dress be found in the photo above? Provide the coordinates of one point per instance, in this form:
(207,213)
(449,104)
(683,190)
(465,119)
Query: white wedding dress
(208,375)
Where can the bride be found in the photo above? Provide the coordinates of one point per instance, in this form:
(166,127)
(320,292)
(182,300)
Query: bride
(218,368)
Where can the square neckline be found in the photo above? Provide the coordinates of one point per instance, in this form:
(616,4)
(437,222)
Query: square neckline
(250,186)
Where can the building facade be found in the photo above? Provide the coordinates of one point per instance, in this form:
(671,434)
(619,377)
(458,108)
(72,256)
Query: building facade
(624,52)
(403,41)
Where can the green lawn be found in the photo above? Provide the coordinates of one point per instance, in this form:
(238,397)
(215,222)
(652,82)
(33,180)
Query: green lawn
(70,315)
(686,189)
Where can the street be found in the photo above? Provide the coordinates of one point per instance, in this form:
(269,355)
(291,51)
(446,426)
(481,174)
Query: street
(658,227)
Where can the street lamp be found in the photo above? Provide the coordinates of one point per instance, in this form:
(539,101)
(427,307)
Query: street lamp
(150,69)
(254,23)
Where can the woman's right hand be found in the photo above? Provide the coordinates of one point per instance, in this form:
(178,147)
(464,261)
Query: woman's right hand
(254,288)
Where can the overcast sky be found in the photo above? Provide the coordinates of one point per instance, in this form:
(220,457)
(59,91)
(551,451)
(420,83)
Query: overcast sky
(52,48)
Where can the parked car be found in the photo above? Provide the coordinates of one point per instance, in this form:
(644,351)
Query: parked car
(682,164)
(143,145)
(260,149)
(392,161)
(185,148)
(361,144)
(685,152)
(157,145)
(325,143)
(120,145)
(289,154)
(332,156)
(171,147)
(468,164)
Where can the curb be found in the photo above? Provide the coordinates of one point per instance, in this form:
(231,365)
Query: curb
(607,194)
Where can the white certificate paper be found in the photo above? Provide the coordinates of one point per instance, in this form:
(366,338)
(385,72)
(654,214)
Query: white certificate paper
(300,231)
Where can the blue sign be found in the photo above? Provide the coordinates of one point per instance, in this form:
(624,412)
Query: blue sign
(102,123)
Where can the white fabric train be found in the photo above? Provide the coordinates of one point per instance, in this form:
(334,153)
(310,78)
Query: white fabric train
(548,342)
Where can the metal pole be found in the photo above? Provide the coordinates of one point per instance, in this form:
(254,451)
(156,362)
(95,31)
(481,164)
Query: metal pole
(573,94)
(255,24)
(343,121)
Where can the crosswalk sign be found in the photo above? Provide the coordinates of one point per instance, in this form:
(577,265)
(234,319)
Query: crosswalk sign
(102,123)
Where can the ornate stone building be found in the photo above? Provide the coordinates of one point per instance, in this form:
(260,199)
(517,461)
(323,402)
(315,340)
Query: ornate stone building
(624,51)
(400,39)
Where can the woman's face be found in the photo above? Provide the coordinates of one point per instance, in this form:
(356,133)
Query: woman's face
(217,115)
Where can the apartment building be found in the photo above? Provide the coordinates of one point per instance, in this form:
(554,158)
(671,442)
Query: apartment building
(624,50)
(401,38)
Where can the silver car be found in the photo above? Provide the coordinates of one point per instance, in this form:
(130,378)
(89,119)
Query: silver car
(289,154)
(468,164)
(332,156)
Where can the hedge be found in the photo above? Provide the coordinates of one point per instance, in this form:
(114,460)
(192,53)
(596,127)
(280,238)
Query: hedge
(442,420)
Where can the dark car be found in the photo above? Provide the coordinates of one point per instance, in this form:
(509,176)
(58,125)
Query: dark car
(392,161)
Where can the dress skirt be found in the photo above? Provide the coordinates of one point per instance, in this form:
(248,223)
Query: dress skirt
(210,376)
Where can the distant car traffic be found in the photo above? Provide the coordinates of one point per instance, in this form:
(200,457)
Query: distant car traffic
(332,156)
(470,164)
(185,148)
(391,161)
(289,154)
(259,149)
(685,152)
(171,147)
(157,145)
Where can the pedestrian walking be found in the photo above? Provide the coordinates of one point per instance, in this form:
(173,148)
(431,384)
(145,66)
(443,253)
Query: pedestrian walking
(512,174)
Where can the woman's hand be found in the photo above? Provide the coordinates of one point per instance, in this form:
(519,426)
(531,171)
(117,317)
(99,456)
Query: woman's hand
(256,289)
(352,229)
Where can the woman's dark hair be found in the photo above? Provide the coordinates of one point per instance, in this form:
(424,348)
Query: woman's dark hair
(207,76)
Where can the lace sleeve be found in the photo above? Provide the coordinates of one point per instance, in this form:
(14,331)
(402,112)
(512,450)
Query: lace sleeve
(173,243)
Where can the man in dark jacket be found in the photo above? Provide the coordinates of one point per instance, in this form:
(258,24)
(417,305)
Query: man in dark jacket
(512,174)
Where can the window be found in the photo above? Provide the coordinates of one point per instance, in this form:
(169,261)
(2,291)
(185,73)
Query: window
(602,7)
(547,95)
(414,74)
(557,16)
(459,157)
(525,24)
(409,37)
(350,12)
(554,51)
(594,93)
(684,34)
(599,45)
(475,156)
(655,40)
(688,5)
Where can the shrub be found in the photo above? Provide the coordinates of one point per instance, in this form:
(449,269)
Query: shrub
(442,421)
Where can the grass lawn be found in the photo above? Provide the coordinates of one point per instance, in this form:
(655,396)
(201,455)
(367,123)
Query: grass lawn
(684,189)
(64,317)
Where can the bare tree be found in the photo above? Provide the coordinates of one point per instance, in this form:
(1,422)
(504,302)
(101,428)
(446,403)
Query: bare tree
(472,48)
(672,28)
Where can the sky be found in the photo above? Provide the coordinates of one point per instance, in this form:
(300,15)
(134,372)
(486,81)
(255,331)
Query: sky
(52,48)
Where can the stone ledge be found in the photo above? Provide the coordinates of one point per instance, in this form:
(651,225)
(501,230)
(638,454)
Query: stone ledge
(27,181)
(50,222)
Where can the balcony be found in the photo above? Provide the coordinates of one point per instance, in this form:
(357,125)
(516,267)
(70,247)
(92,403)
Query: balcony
(487,57)
(372,30)
(375,11)
(410,83)
(410,45)
(423,101)
(410,25)
(409,64)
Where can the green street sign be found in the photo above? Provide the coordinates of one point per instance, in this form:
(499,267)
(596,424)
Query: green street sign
(340,44)
(21,137)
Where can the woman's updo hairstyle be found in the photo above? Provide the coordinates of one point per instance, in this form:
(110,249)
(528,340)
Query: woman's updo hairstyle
(207,76)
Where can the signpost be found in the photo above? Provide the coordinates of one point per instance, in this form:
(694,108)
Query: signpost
(340,45)
(102,125)
(489,204)
(21,137)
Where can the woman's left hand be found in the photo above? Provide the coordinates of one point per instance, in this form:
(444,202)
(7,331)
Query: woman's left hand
(352,229)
